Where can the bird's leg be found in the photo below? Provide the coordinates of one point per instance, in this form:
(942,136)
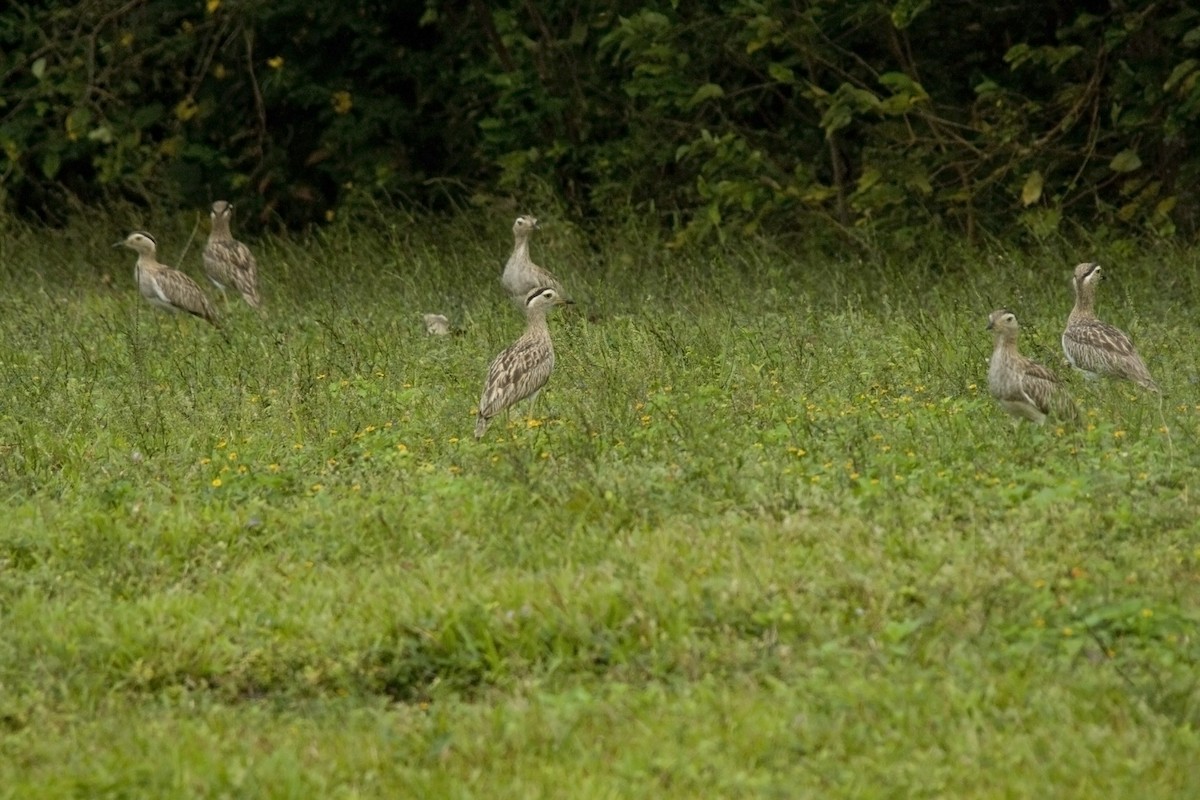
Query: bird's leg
(533,404)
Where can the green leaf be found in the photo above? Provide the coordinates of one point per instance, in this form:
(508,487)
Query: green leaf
(51,162)
(1125,161)
(1041,222)
(708,91)
(38,68)
(899,82)
(1017,55)
(905,11)
(1031,192)
(781,73)
(1179,73)
(836,117)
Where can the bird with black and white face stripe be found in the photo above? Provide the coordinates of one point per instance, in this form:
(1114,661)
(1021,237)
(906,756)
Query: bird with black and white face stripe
(166,288)
(521,369)
(1095,347)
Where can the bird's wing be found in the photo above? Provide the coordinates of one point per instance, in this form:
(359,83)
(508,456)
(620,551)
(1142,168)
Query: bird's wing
(156,288)
(1100,340)
(1045,390)
(1096,346)
(233,264)
(185,294)
(515,374)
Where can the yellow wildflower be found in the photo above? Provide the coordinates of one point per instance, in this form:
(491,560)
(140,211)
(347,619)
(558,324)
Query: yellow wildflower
(342,102)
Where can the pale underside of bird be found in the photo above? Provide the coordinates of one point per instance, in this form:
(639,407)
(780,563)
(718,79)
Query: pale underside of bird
(523,368)
(1023,387)
(164,287)
(228,263)
(1094,346)
(521,276)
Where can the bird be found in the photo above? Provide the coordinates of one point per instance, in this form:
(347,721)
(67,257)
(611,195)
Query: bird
(164,287)
(521,369)
(228,262)
(521,276)
(437,325)
(1095,347)
(1023,387)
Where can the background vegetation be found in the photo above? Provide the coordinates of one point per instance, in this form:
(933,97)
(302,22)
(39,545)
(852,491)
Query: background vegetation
(857,116)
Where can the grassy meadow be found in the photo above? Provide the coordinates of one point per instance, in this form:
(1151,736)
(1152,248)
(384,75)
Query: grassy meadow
(766,535)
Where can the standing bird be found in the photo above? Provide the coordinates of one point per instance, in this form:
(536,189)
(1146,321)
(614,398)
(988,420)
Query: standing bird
(521,276)
(228,262)
(1023,387)
(521,369)
(1095,347)
(164,287)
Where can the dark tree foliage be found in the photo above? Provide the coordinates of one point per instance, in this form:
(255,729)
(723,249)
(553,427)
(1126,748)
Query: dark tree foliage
(713,116)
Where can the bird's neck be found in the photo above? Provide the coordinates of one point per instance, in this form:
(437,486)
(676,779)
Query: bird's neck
(520,248)
(1085,302)
(535,321)
(220,230)
(1006,343)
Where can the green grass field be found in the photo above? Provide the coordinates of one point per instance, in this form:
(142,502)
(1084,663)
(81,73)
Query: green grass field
(767,535)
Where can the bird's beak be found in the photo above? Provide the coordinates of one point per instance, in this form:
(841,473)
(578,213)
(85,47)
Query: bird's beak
(118,244)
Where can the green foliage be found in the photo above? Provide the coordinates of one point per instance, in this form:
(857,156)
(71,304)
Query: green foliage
(860,119)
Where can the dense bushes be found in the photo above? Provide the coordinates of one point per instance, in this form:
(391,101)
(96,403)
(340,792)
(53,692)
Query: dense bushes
(719,115)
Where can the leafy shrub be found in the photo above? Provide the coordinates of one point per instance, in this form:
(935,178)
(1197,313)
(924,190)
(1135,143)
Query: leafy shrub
(725,115)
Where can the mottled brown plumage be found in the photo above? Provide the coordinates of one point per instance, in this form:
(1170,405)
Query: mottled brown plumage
(1094,346)
(1023,387)
(521,276)
(227,262)
(522,369)
(166,288)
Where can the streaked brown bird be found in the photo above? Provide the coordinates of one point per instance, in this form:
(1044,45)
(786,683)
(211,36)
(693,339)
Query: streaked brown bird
(521,276)
(521,369)
(1094,346)
(1023,387)
(227,262)
(166,288)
